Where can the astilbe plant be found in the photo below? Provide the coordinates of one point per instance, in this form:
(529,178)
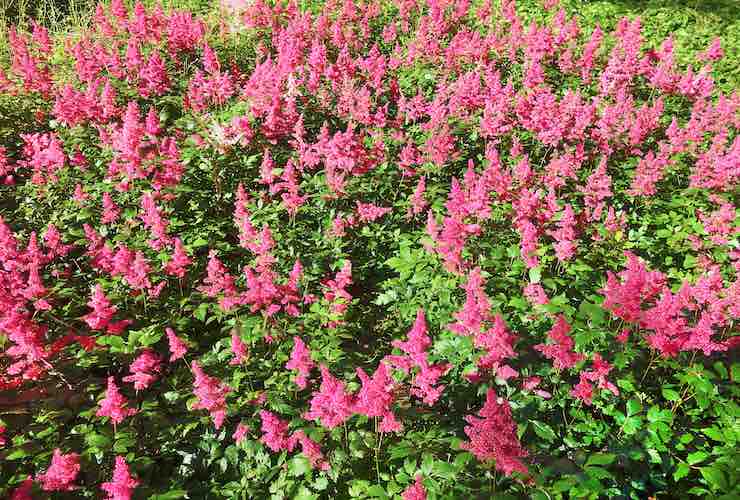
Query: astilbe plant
(427,201)
(122,485)
(61,474)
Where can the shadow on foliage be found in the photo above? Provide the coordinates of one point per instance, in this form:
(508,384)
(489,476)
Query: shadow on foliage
(728,9)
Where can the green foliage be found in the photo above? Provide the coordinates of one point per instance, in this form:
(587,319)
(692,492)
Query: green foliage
(671,432)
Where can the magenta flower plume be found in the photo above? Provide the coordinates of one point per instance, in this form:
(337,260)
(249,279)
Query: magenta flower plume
(23,492)
(376,398)
(311,450)
(560,351)
(240,433)
(369,212)
(144,369)
(102,310)
(61,473)
(416,491)
(418,340)
(151,123)
(153,76)
(178,347)
(275,432)
(179,262)
(489,332)
(218,280)
(239,348)
(418,202)
(300,360)
(424,383)
(492,436)
(331,405)
(336,292)
(122,486)
(210,394)
(565,235)
(110,210)
(114,404)
(584,390)
(155,221)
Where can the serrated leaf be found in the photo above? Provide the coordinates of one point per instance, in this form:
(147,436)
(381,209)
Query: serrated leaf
(535,274)
(682,470)
(670,394)
(377,491)
(543,430)
(200,312)
(713,433)
(633,407)
(16,454)
(714,477)
(696,457)
(299,465)
(97,440)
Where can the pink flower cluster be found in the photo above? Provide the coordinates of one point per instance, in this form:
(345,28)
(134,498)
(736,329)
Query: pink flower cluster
(425,383)
(584,390)
(61,473)
(211,394)
(560,351)
(492,436)
(275,436)
(144,370)
(673,322)
(488,332)
(336,293)
(114,404)
(122,485)
(300,361)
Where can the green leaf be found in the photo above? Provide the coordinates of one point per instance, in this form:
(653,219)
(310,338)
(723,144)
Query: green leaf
(462,459)
(696,457)
(200,312)
(114,341)
(670,394)
(631,425)
(97,440)
(321,483)
(681,471)
(170,495)
(409,465)
(714,477)
(535,274)
(543,430)
(594,312)
(444,470)
(655,414)
(689,261)
(601,459)
(713,433)
(633,407)
(305,494)
(299,465)
(377,491)
(16,454)
(720,369)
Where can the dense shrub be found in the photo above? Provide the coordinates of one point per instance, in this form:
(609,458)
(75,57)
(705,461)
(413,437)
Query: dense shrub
(366,250)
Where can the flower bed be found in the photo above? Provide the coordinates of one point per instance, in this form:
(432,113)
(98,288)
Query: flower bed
(366,250)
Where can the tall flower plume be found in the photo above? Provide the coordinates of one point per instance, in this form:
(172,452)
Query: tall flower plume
(210,394)
(122,485)
(113,405)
